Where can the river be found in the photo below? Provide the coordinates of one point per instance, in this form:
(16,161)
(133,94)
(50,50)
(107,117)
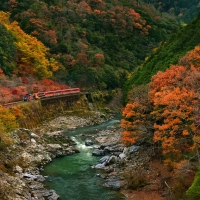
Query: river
(72,176)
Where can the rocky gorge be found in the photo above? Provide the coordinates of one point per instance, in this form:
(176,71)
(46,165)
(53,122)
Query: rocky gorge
(121,168)
(32,149)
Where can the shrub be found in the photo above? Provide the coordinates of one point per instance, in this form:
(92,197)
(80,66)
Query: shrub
(134,178)
(193,193)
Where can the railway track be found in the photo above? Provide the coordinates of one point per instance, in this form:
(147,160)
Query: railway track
(45,96)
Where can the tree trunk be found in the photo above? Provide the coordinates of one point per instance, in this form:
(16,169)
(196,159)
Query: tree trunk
(197,151)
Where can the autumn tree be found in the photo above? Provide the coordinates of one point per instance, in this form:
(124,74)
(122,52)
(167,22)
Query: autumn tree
(137,123)
(7,120)
(173,107)
(7,50)
(31,53)
(175,95)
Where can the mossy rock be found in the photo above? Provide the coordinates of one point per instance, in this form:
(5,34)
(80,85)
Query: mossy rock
(193,193)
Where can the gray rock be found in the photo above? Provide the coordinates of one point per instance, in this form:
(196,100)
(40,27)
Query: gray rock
(113,183)
(54,196)
(88,142)
(33,140)
(98,175)
(125,151)
(110,127)
(17,169)
(26,175)
(55,133)
(98,152)
(133,148)
(40,178)
(33,135)
(99,166)
(54,148)
(96,146)
(122,155)
(104,159)
(40,194)
(108,149)
(112,160)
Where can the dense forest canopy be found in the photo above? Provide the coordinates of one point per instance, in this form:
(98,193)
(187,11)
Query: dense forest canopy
(177,45)
(185,10)
(94,40)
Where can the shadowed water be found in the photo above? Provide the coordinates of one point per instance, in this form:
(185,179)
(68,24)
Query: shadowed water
(72,176)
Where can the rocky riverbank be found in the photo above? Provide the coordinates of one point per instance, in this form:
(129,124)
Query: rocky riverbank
(134,171)
(32,149)
(124,167)
(137,171)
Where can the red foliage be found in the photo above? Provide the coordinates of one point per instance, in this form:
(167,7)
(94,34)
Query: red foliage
(1,72)
(24,80)
(51,37)
(48,84)
(14,91)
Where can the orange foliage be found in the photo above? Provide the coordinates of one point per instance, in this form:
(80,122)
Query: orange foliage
(134,14)
(83,7)
(97,11)
(136,122)
(99,58)
(82,58)
(82,46)
(175,99)
(174,94)
(51,37)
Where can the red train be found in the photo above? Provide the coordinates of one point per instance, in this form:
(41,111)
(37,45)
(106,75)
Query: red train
(38,95)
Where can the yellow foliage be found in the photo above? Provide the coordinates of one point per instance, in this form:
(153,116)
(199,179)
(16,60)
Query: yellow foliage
(32,52)
(7,120)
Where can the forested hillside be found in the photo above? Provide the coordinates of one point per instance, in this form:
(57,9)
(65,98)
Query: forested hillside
(95,43)
(100,45)
(25,63)
(178,44)
(183,9)
(163,107)
(165,115)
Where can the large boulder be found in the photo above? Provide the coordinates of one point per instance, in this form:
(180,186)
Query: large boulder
(112,160)
(113,183)
(104,159)
(26,175)
(54,196)
(88,142)
(98,152)
(108,149)
(122,155)
(99,166)
(54,147)
(33,135)
(133,148)
(17,169)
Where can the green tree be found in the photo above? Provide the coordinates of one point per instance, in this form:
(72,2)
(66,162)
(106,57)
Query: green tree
(7,50)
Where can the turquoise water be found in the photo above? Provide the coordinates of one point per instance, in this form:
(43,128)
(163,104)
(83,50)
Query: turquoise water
(72,176)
